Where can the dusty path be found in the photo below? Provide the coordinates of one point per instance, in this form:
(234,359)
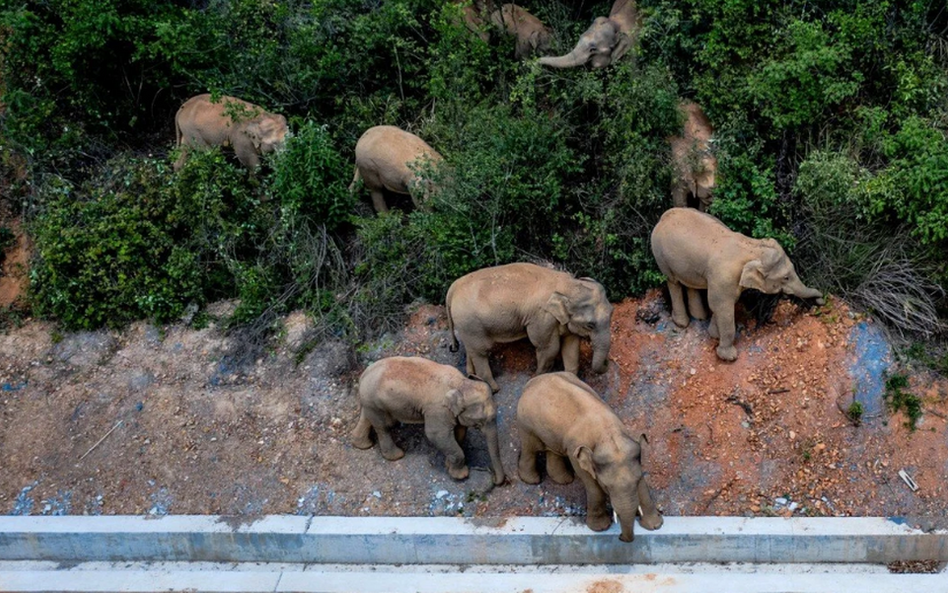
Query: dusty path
(157,420)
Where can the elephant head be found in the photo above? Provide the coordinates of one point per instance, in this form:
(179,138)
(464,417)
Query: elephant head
(267,132)
(473,406)
(772,272)
(585,311)
(616,464)
(605,41)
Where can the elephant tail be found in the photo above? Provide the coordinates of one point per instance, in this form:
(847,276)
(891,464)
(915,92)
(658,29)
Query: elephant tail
(447,305)
(356,177)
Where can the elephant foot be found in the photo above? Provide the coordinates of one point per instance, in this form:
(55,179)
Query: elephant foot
(557,470)
(460,473)
(500,479)
(393,454)
(728,353)
(681,320)
(598,521)
(651,521)
(361,442)
(529,477)
(713,329)
(494,387)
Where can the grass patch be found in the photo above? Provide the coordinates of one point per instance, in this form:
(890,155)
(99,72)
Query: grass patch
(898,399)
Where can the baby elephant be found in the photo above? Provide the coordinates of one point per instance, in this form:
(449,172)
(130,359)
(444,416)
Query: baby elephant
(696,250)
(249,129)
(415,390)
(563,416)
(552,308)
(693,161)
(383,155)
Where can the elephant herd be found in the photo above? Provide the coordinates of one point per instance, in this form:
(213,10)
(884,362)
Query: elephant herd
(557,413)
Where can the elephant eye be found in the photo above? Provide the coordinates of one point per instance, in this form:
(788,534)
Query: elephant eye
(590,325)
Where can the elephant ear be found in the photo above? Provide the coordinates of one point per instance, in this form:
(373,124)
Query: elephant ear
(253,132)
(557,306)
(584,456)
(752,276)
(455,401)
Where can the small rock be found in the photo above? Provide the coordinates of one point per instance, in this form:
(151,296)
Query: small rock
(441,494)
(377,494)
(780,501)
(793,506)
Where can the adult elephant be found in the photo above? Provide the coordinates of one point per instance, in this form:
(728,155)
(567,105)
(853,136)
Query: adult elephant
(562,416)
(202,122)
(694,165)
(697,251)
(531,34)
(416,390)
(514,301)
(384,157)
(605,41)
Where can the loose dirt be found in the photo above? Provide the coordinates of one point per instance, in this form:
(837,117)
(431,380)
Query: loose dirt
(156,420)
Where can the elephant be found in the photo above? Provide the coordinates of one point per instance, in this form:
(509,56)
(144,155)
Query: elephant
(251,131)
(696,250)
(605,41)
(472,12)
(531,34)
(416,390)
(564,417)
(693,163)
(383,155)
(551,308)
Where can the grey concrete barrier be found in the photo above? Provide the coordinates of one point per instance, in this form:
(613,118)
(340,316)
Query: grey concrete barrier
(415,540)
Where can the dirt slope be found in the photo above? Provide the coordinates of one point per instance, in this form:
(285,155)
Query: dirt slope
(159,420)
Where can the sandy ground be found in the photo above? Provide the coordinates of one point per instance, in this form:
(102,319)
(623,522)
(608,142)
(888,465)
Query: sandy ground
(156,420)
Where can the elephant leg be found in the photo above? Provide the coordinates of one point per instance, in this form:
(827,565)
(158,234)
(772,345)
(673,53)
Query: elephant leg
(469,365)
(182,158)
(480,365)
(460,431)
(679,196)
(570,353)
(530,445)
(557,469)
(679,313)
(598,517)
(723,309)
(443,437)
(547,343)
(378,201)
(361,435)
(696,305)
(713,327)
(382,424)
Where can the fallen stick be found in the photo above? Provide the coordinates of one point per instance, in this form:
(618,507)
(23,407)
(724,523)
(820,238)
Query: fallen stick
(99,442)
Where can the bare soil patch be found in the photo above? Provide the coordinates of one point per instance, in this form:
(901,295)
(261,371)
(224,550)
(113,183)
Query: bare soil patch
(188,431)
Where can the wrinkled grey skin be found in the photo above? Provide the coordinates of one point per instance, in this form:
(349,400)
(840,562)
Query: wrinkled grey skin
(416,390)
(562,416)
(515,301)
(605,41)
(532,35)
(697,251)
(202,123)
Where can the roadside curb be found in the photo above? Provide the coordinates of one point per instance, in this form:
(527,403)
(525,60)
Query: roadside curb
(443,540)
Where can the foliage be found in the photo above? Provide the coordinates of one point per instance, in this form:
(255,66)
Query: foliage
(854,412)
(898,399)
(830,134)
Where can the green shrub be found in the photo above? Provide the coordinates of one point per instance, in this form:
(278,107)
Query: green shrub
(898,399)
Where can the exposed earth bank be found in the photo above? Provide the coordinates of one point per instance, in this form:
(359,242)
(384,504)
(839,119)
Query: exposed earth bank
(156,420)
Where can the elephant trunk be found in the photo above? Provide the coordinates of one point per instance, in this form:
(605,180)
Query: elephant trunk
(575,58)
(493,449)
(797,288)
(601,342)
(626,508)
